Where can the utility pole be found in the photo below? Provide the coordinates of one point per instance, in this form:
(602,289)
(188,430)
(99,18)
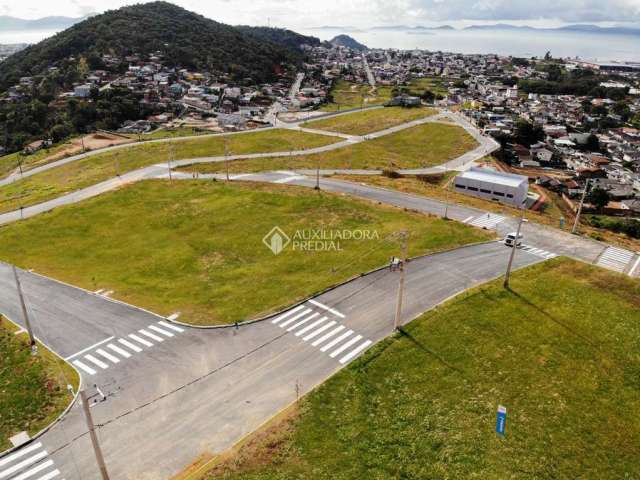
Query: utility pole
(226,155)
(574,230)
(405,238)
(169,162)
(515,246)
(317,187)
(446,201)
(94,436)
(25,314)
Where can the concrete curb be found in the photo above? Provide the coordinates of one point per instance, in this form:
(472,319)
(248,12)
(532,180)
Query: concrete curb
(64,412)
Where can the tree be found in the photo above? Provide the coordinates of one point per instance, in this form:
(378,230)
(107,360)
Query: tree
(528,133)
(592,144)
(599,198)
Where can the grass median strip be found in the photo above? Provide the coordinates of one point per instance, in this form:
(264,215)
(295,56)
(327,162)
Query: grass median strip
(197,246)
(34,388)
(416,147)
(102,166)
(369,121)
(423,403)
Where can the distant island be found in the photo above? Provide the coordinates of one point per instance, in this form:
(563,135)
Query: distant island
(12,24)
(347,41)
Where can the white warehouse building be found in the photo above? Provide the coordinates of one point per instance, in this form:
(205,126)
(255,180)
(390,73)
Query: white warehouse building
(492,185)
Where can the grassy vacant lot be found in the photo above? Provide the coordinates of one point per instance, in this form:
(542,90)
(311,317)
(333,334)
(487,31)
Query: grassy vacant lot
(369,121)
(102,166)
(416,147)
(196,247)
(353,95)
(34,388)
(437,85)
(559,351)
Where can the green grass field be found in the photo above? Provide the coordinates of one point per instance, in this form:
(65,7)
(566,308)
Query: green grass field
(437,85)
(192,246)
(172,132)
(10,163)
(96,168)
(354,95)
(369,121)
(33,388)
(560,351)
(416,147)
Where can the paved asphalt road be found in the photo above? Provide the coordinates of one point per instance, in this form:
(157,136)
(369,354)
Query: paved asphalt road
(188,390)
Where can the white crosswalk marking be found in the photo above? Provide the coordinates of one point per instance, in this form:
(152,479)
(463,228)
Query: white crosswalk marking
(326,336)
(132,346)
(317,332)
(311,327)
(336,341)
(355,352)
(97,362)
(290,312)
(20,453)
(140,340)
(615,259)
(538,252)
(108,356)
(30,462)
(488,221)
(295,317)
(119,350)
(170,326)
(161,331)
(34,470)
(24,463)
(86,368)
(342,348)
(152,336)
(302,322)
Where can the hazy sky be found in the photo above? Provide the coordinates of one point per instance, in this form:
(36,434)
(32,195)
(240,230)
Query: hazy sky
(363,13)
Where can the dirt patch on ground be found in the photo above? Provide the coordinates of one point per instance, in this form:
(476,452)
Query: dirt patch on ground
(98,140)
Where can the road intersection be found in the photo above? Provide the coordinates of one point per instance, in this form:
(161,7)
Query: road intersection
(162,392)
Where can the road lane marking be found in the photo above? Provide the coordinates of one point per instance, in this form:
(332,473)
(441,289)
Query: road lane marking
(302,322)
(325,307)
(144,342)
(152,336)
(290,312)
(84,367)
(296,317)
(50,475)
(173,316)
(341,349)
(34,470)
(317,332)
(355,352)
(20,453)
(119,350)
(467,219)
(171,326)
(336,341)
(312,326)
(99,363)
(160,330)
(22,464)
(108,356)
(326,336)
(132,346)
(90,348)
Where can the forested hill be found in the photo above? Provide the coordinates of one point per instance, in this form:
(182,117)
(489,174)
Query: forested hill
(185,39)
(280,36)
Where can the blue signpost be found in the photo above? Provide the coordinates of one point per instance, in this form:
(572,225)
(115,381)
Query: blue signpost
(501,420)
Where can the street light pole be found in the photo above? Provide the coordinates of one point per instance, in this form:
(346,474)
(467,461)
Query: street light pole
(94,437)
(574,230)
(169,162)
(405,237)
(226,155)
(446,204)
(515,245)
(25,315)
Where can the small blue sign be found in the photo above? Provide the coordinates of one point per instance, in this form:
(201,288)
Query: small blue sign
(501,420)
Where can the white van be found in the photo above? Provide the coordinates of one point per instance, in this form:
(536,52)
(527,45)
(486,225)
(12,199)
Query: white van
(510,240)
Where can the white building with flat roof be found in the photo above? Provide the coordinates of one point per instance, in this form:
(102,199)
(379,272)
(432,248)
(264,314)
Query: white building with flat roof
(493,185)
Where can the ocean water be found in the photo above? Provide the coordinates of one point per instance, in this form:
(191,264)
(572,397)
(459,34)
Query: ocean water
(602,47)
